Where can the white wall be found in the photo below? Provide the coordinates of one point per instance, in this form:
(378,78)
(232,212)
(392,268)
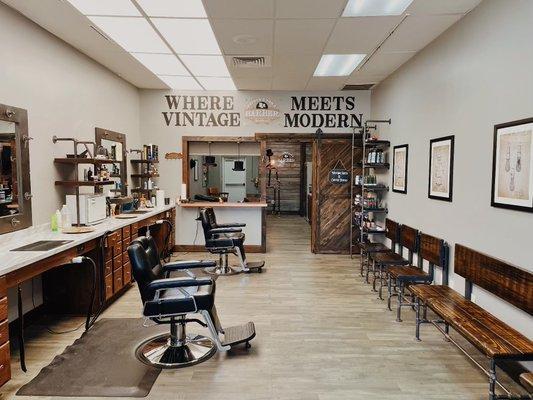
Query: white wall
(66,94)
(474,76)
(169,138)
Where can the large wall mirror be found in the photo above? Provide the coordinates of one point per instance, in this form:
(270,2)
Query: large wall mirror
(112,145)
(15,192)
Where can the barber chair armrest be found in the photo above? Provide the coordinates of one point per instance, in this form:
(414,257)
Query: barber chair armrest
(175,283)
(182,265)
(231,225)
(224,230)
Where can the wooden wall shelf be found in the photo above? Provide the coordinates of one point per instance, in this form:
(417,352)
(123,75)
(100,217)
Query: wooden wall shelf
(144,175)
(83,183)
(82,160)
(144,161)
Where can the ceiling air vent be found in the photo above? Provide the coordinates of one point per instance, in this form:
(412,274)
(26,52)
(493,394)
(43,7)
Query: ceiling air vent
(250,62)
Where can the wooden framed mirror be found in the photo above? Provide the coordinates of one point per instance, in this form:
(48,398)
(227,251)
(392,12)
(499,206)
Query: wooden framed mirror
(15,188)
(113,145)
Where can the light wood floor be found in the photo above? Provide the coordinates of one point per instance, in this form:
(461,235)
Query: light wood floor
(321,334)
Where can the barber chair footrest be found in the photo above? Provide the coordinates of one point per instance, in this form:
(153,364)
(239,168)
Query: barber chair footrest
(158,351)
(255,266)
(239,334)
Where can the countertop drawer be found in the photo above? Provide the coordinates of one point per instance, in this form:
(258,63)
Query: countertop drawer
(3,286)
(108,286)
(126,232)
(4,332)
(3,308)
(108,267)
(118,280)
(117,262)
(5,364)
(127,273)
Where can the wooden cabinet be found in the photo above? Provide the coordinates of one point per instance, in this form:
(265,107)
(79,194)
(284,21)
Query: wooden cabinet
(5,371)
(5,363)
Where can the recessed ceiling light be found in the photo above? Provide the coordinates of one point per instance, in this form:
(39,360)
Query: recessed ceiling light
(370,8)
(180,82)
(206,65)
(338,64)
(173,8)
(133,34)
(210,83)
(106,7)
(162,64)
(188,36)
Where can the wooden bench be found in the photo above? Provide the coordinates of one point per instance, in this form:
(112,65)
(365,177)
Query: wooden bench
(491,336)
(431,249)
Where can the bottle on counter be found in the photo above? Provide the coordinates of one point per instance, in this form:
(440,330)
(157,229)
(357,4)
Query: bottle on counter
(58,220)
(65,217)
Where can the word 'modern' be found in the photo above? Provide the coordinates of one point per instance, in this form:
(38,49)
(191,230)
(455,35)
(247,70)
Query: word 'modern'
(322,118)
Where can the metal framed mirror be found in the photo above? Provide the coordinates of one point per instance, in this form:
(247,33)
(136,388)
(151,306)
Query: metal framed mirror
(15,188)
(112,145)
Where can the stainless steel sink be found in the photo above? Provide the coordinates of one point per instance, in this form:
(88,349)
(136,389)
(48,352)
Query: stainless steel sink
(42,245)
(138,212)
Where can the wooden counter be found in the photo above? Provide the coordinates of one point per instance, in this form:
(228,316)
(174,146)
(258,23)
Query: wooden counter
(201,204)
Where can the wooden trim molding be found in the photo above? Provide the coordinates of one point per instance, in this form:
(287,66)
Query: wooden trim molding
(201,249)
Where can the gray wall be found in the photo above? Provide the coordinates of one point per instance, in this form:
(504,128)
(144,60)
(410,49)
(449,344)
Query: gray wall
(479,73)
(66,94)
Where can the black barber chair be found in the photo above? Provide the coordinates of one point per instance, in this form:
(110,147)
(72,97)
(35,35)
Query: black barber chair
(168,300)
(223,239)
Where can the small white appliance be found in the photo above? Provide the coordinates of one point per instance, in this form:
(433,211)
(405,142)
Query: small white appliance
(92,208)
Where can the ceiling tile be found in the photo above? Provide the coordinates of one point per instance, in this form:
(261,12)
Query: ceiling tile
(217,83)
(106,7)
(309,8)
(162,64)
(253,83)
(360,78)
(132,34)
(245,72)
(244,37)
(188,36)
(302,36)
(173,8)
(240,8)
(386,63)
(205,65)
(416,32)
(289,82)
(293,64)
(326,83)
(181,82)
(359,34)
(441,7)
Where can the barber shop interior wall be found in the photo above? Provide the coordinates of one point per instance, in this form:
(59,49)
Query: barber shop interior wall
(66,94)
(168,116)
(474,76)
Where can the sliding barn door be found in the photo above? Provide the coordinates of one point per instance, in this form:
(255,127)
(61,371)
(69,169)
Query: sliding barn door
(331,202)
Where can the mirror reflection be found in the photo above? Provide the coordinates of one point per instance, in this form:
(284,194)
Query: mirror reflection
(9,202)
(114,151)
(232,178)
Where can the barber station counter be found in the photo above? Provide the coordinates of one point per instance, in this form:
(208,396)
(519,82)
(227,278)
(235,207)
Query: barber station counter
(190,236)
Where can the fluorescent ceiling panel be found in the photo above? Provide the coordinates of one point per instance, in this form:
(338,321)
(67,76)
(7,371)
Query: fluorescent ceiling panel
(338,64)
(173,8)
(133,34)
(206,65)
(188,36)
(162,64)
(106,7)
(210,83)
(370,8)
(180,82)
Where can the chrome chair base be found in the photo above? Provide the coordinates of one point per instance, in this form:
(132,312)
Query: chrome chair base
(159,352)
(222,271)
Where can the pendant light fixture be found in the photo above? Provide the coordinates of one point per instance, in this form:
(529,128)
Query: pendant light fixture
(238,165)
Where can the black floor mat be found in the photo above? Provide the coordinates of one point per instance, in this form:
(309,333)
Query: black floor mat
(101,363)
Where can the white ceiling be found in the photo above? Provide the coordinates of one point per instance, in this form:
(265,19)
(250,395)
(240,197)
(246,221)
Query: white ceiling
(292,34)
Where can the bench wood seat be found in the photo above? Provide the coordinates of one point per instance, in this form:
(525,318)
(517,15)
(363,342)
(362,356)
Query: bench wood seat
(389,258)
(408,272)
(526,379)
(493,337)
(374,247)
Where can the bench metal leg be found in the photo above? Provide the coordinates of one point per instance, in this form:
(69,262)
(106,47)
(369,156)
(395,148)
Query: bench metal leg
(374,275)
(382,278)
(400,302)
(492,380)
(417,314)
(389,290)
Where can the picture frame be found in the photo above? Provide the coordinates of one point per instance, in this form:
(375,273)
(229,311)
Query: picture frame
(400,159)
(440,178)
(512,165)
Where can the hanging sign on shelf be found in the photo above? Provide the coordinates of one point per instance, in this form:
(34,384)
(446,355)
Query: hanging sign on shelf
(339,176)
